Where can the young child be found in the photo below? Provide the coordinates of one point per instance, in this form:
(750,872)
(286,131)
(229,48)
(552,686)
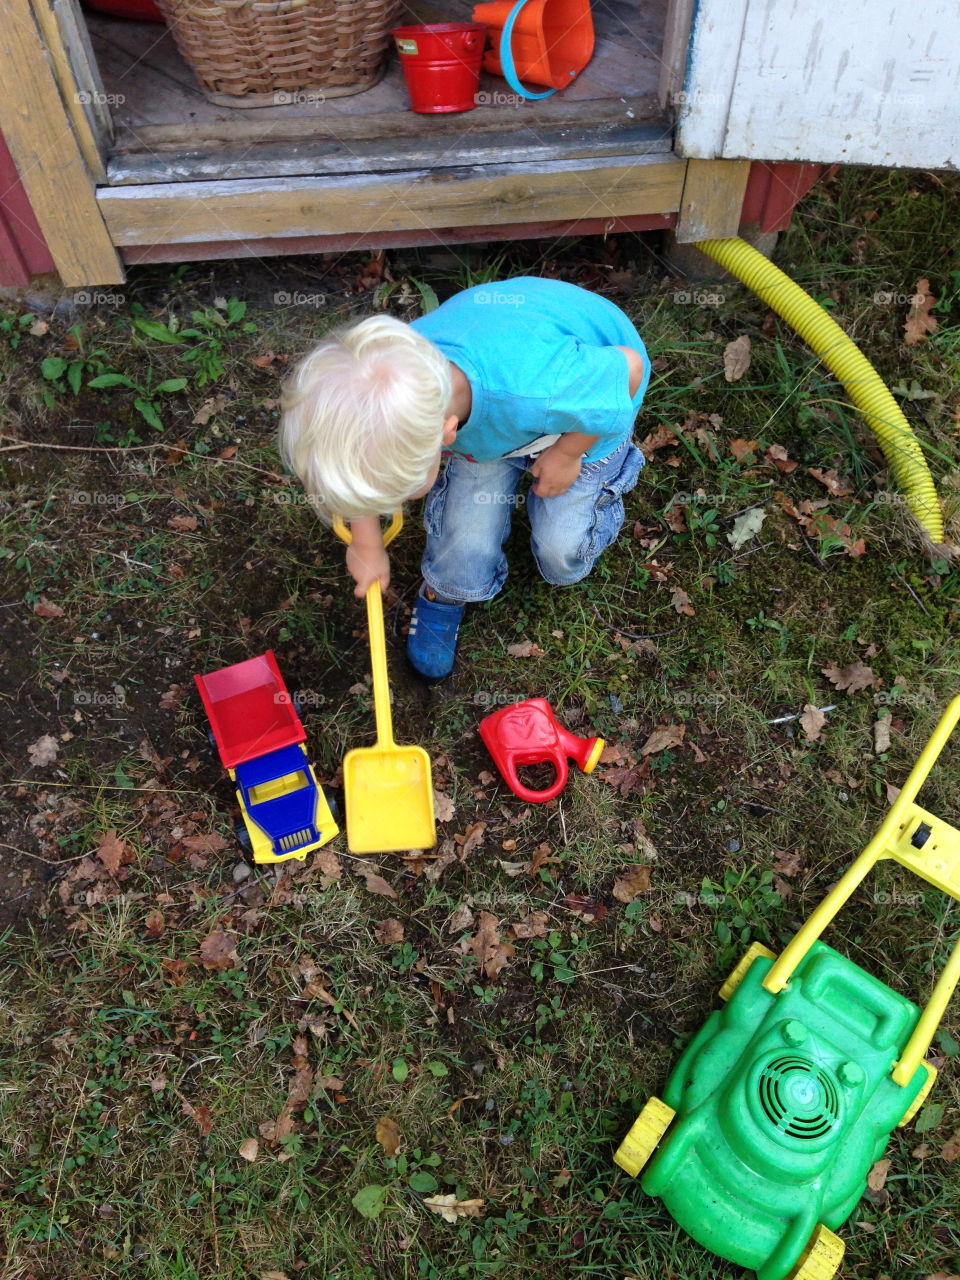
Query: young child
(525,375)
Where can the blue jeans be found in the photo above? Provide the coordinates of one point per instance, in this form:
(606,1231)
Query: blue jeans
(467,518)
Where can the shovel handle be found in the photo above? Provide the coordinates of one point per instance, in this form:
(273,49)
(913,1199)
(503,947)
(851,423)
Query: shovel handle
(378,643)
(391,531)
(378,664)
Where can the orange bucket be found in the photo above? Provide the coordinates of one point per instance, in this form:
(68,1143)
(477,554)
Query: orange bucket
(548,42)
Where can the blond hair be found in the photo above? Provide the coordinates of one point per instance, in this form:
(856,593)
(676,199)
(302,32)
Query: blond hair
(362,417)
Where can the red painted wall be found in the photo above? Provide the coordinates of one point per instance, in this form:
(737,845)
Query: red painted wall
(23,250)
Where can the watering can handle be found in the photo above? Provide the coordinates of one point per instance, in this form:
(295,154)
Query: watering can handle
(556,757)
(507,65)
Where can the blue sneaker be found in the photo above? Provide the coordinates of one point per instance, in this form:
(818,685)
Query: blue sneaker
(432,640)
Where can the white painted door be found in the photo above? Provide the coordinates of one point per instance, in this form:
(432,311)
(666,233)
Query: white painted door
(876,82)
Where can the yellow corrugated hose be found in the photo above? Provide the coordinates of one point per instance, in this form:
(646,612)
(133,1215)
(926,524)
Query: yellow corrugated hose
(844,358)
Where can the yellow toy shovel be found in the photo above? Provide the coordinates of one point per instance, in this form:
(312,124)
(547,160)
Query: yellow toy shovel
(388,789)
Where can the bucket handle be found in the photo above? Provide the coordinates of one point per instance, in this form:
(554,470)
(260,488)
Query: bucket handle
(507,64)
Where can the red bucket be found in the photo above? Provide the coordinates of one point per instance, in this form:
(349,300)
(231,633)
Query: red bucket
(441,63)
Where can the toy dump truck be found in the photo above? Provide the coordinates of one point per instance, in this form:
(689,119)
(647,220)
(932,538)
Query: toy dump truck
(780,1105)
(256,730)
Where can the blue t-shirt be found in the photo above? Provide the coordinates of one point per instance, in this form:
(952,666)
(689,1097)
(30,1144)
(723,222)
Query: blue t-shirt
(541,360)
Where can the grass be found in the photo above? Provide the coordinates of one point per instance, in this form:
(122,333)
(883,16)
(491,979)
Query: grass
(130,1073)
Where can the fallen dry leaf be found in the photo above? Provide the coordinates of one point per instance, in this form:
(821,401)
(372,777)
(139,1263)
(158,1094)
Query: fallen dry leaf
(787,863)
(218,951)
(633,880)
(831,482)
(45,608)
(374,882)
(744,451)
(473,837)
(388,931)
(154,924)
(663,738)
(533,925)
(736,358)
(173,695)
(812,722)
(461,919)
(881,735)
(488,947)
(878,1175)
(249,1149)
(525,649)
(112,851)
(584,908)
(852,678)
(778,455)
(452,1210)
(208,409)
(681,602)
(950,1151)
(388,1135)
(919,322)
(43,751)
(202,1115)
(660,438)
(183,524)
(443,807)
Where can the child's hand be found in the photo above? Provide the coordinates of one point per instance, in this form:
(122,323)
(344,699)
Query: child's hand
(367,565)
(555,470)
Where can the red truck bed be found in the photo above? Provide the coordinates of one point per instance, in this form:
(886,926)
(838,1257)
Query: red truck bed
(249,709)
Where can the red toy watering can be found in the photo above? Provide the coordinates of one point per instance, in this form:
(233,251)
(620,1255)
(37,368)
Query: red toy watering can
(528,733)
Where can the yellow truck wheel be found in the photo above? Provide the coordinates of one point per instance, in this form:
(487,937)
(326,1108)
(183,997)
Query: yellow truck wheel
(736,976)
(821,1258)
(921,1097)
(645,1132)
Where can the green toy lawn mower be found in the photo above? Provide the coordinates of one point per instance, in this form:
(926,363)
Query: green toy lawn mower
(786,1097)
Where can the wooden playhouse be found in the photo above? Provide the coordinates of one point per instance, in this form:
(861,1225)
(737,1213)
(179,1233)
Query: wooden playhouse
(695,116)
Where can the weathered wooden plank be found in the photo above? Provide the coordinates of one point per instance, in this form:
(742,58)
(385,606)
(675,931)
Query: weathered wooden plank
(242,131)
(49,160)
(77,78)
(676,43)
(395,239)
(196,211)
(712,199)
(376,156)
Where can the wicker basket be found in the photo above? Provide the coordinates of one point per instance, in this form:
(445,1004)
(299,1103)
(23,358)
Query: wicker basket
(255,53)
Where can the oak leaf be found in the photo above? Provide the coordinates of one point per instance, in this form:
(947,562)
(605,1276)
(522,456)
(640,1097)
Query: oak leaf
(388,931)
(663,738)
(919,322)
(850,679)
(490,950)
